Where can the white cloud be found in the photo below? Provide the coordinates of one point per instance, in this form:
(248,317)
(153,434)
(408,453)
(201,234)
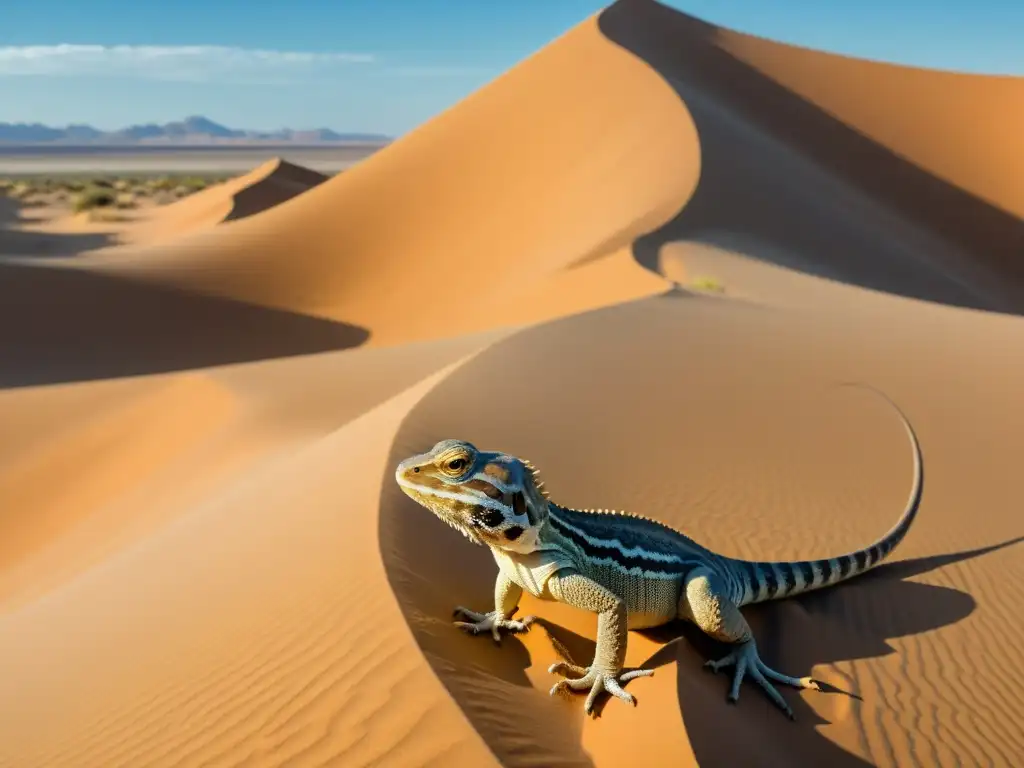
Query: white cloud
(428,71)
(191,63)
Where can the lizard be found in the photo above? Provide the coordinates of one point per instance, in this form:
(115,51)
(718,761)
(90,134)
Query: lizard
(632,571)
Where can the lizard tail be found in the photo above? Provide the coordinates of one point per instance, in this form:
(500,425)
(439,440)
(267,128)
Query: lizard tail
(759,582)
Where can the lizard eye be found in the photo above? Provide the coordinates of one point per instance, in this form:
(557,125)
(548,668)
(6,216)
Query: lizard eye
(457,465)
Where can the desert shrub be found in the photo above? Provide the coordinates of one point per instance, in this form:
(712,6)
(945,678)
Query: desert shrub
(162,184)
(124,200)
(194,183)
(94,197)
(707,283)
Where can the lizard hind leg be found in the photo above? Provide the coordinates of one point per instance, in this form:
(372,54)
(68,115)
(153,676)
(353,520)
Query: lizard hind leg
(707,604)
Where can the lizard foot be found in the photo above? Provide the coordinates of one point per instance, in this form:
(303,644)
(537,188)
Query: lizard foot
(491,622)
(595,681)
(747,662)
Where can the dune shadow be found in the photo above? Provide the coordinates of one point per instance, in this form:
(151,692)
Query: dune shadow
(9,209)
(61,324)
(755,132)
(42,245)
(284,183)
(26,244)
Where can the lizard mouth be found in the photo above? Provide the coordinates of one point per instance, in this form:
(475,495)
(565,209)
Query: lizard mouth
(439,510)
(455,522)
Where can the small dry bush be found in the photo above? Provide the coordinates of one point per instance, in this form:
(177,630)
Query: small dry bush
(125,200)
(94,197)
(161,184)
(707,283)
(194,183)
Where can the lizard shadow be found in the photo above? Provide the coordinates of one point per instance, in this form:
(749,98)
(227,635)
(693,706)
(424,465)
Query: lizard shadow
(852,621)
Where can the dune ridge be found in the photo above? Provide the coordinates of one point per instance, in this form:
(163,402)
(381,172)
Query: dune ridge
(205,560)
(50,229)
(264,187)
(554,204)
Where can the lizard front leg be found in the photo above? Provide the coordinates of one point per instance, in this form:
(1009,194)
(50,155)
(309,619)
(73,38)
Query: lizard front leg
(506,599)
(605,671)
(706,603)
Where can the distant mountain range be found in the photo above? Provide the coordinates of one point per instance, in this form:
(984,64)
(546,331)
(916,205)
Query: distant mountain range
(194,130)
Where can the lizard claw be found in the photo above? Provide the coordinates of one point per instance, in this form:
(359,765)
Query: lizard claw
(596,681)
(491,622)
(747,662)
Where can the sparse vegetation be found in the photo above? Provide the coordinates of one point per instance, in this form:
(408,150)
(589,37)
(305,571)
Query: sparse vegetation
(162,184)
(708,283)
(93,197)
(195,183)
(102,191)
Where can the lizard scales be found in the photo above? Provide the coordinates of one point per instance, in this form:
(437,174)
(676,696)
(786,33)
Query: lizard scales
(634,572)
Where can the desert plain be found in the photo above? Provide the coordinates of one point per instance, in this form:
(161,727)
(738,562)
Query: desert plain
(643,258)
(27,161)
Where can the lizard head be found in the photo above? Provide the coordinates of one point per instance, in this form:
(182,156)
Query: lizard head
(492,498)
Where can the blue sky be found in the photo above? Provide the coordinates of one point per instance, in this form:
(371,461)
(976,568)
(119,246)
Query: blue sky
(388,65)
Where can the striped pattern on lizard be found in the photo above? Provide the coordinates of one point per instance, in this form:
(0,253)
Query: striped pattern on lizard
(633,572)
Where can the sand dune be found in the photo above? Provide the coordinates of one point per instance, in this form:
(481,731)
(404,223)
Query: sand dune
(206,560)
(268,185)
(472,204)
(54,231)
